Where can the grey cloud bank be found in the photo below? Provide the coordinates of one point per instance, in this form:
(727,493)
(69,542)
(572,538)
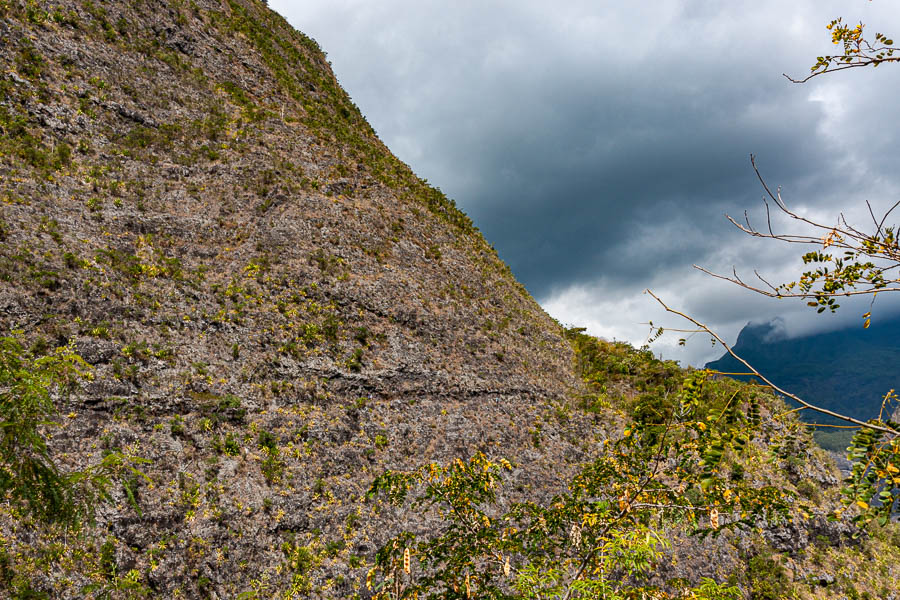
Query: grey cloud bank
(597,145)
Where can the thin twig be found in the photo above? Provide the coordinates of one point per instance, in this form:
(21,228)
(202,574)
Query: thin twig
(867,63)
(890,210)
(783,294)
(781,391)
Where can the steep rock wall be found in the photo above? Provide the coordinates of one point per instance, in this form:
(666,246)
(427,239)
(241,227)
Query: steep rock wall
(274,307)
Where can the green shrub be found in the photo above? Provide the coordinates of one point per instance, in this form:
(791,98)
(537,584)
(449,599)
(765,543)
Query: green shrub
(29,479)
(267,441)
(767,578)
(809,490)
(231,446)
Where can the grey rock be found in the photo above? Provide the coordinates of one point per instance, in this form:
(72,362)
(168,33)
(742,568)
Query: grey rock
(96,351)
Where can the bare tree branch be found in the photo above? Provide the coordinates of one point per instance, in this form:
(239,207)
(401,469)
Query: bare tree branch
(803,403)
(781,294)
(871,63)
(862,268)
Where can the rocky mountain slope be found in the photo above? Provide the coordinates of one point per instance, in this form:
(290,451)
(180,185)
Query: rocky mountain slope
(190,197)
(274,308)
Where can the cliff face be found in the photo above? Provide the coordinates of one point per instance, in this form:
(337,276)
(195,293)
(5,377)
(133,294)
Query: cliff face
(191,198)
(195,172)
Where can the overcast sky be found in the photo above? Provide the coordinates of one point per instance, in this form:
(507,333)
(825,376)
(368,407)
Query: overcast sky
(598,144)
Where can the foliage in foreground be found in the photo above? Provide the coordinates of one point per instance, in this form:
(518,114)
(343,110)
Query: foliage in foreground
(29,479)
(678,464)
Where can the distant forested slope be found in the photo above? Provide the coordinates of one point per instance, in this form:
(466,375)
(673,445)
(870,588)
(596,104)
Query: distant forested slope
(847,371)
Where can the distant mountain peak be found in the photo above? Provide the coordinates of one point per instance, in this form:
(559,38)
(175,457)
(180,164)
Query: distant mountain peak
(768,332)
(846,370)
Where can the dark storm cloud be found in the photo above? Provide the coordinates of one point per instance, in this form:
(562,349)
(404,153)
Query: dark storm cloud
(597,145)
(580,202)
